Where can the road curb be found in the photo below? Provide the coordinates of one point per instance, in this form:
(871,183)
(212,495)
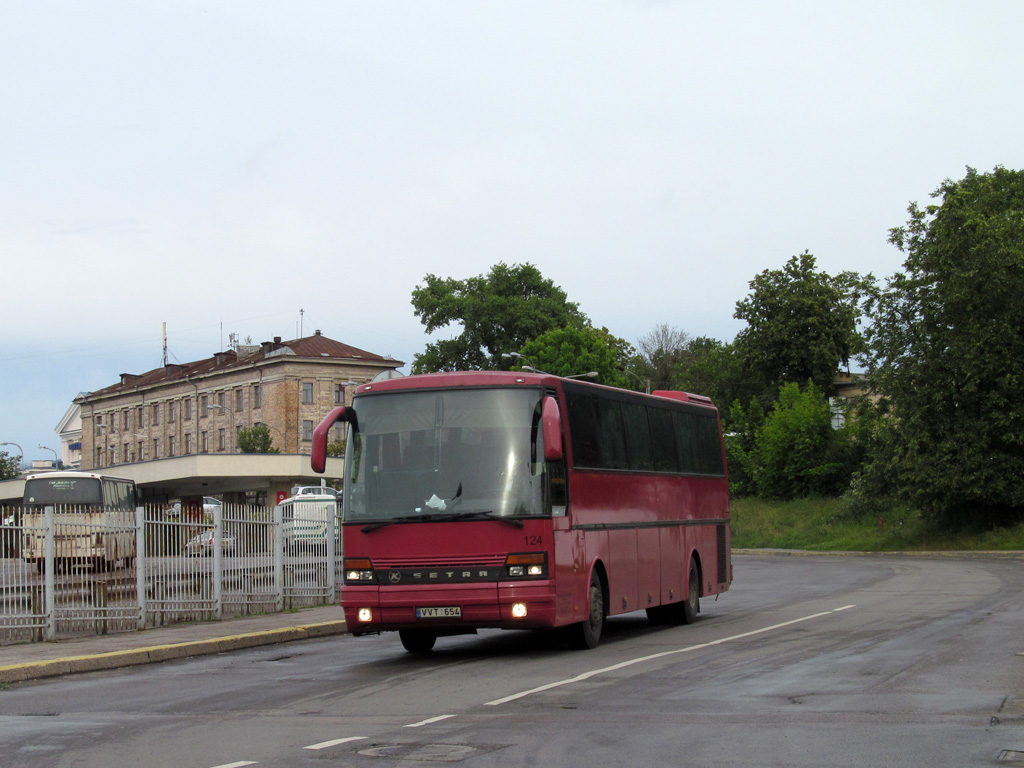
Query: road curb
(987,554)
(16,673)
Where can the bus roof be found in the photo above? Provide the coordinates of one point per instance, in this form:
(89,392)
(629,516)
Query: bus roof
(457,379)
(67,474)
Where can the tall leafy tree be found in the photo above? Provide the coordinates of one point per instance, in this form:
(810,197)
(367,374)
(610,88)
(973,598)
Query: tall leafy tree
(498,312)
(574,350)
(8,466)
(801,325)
(947,353)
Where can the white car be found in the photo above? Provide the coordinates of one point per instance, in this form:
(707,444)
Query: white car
(203,544)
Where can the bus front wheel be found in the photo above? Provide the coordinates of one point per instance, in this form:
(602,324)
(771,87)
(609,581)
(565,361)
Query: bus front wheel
(587,634)
(417,640)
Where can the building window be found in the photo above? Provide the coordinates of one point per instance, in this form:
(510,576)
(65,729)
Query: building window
(204,442)
(307,430)
(156,447)
(138,416)
(188,410)
(307,392)
(257,396)
(113,456)
(142,447)
(99,457)
(339,394)
(204,406)
(156,414)
(221,444)
(125,419)
(238,399)
(171,446)
(220,399)
(125,456)
(188,443)
(172,408)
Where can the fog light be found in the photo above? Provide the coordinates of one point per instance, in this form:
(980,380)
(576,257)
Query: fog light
(365,614)
(519,610)
(536,570)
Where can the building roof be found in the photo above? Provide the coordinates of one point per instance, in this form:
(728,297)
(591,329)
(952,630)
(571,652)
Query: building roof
(315,347)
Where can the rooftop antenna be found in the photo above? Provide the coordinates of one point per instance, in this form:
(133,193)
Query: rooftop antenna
(165,344)
(301,313)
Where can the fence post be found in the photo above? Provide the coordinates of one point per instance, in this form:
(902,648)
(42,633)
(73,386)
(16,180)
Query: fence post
(140,564)
(278,544)
(332,523)
(50,578)
(218,562)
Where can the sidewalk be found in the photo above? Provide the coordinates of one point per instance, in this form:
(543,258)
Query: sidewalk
(28,661)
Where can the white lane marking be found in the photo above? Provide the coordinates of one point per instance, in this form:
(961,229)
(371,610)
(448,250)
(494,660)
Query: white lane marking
(239,764)
(631,662)
(334,742)
(428,722)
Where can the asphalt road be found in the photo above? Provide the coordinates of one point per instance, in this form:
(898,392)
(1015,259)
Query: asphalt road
(807,661)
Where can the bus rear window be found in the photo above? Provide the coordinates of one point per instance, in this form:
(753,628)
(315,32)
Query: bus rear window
(63,490)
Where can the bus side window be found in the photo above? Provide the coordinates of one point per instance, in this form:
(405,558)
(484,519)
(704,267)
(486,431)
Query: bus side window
(687,443)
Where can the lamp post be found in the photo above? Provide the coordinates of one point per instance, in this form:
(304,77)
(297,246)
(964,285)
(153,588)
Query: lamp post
(56,460)
(528,367)
(232,415)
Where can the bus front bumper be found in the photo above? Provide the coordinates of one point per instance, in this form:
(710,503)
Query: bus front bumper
(505,605)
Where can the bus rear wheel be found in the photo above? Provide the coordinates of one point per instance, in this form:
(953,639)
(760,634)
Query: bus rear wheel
(587,634)
(417,640)
(691,606)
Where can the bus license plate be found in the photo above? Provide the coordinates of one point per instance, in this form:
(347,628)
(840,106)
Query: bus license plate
(446,612)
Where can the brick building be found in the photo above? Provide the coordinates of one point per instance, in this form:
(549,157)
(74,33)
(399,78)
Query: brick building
(199,407)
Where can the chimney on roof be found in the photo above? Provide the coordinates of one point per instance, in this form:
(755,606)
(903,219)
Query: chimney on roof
(277,339)
(316,332)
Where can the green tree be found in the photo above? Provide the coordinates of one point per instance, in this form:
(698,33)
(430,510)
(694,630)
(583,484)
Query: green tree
(499,312)
(797,453)
(947,354)
(575,349)
(8,466)
(256,439)
(801,325)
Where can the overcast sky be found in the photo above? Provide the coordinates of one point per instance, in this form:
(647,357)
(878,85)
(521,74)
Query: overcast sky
(220,166)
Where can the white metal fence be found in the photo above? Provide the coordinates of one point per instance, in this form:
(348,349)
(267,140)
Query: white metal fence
(65,572)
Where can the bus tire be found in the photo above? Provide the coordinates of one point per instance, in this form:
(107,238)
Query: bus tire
(417,640)
(691,606)
(587,633)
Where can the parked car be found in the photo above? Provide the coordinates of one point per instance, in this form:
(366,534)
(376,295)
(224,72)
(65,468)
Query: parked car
(209,505)
(202,544)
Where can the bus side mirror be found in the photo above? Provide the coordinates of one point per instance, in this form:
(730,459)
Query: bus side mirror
(318,461)
(551,419)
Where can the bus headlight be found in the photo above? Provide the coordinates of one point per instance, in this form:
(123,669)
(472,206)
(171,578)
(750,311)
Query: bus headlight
(358,569)
(365,614)
(519,610)
(528,565)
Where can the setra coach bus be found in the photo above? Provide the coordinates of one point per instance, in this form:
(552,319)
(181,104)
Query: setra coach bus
(526,501)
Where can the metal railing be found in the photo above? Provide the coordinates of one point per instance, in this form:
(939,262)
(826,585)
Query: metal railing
(66,572)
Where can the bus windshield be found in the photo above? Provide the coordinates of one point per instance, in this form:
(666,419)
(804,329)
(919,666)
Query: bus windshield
(63,491)
(445,455)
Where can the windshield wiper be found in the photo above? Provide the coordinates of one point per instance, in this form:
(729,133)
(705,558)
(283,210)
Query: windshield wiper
(446,517)
(490,515)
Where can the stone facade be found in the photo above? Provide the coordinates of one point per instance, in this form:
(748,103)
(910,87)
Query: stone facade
(200,407)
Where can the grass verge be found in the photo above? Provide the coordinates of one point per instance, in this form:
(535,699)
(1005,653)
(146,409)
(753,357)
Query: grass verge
(826,525)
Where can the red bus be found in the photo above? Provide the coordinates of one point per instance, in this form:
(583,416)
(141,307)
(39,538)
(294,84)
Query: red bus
(526,501)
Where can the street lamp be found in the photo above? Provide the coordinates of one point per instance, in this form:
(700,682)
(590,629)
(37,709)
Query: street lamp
(232,415)
(56,460)
(528,367)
